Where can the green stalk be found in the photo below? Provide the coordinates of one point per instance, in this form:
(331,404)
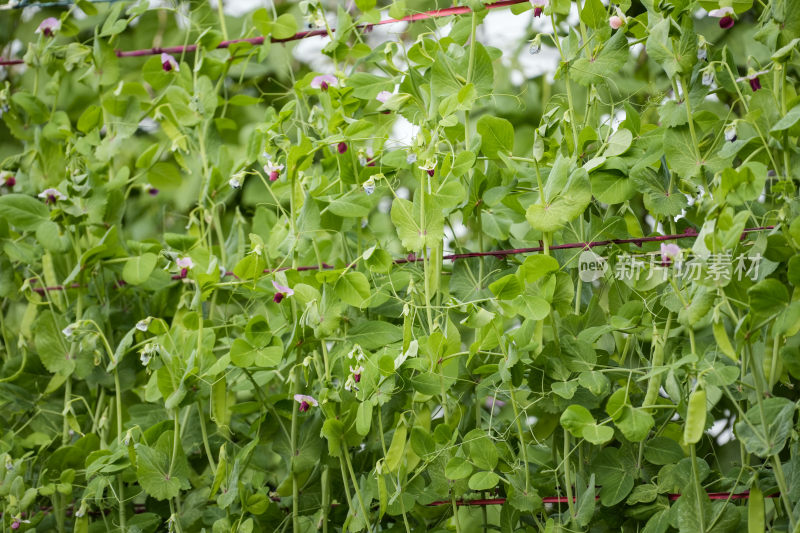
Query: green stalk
(455,510)
(295,486)
(568,476)
(522,445)
(689,116)
(346,454)
(221,14)
(204,433)
(696,474)
(326,497)
(120,483)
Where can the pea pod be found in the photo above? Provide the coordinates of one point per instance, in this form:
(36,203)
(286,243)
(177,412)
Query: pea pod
(654,384)
(755,510)
(695,417)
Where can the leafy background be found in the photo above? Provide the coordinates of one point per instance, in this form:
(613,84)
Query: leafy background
(143,399)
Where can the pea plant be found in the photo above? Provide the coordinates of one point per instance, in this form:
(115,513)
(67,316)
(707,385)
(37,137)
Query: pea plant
(523,266)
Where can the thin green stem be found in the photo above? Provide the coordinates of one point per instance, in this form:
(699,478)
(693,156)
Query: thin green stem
(204,433)
(360,498)
(568,476)
(120,483)
(698,487)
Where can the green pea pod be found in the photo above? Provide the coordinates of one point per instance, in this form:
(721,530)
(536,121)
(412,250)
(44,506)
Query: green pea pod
(695,417)
(755,510)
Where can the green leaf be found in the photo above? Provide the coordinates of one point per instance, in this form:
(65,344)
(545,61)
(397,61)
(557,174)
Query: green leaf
(51,345)
(614,477)
(351,205)
(635,423)
(766,433)
(575,418)
(457,468)
(597,434)
(497,135)
(600,68)
(353,289)
(481,449)
(618,143)
(414,232)
(158,476)
(586,504)
(372,334)
(594,14)
(138,269)
(567,193)
(367,86)
(483,480)
(768,297)
(164,175)
(284,27)
(22,211)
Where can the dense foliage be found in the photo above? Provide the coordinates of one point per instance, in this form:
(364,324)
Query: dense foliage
(169,362)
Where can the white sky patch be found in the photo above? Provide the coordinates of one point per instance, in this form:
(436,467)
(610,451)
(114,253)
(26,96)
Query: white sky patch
(403,134)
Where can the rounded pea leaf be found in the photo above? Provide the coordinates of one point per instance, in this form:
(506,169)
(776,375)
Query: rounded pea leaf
(457,468)
(138,269)
(22,211)
(483,480)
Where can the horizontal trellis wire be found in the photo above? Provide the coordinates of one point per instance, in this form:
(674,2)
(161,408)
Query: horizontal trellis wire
(638,241)
(436,13)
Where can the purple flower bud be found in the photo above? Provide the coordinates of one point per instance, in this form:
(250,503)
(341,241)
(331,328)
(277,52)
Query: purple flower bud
(168,63)
(15,523)
(755,83)
(537,11)
(48,27)
(726,23)
(10,181)
(273,176)
(341,147)
(431,172)
(277,299)
(152,191)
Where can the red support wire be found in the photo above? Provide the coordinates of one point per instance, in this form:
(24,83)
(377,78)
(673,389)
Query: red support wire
(436,13)
(638,241)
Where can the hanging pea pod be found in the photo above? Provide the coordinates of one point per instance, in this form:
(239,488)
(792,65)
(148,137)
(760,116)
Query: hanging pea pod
(654,384)
(755,510)
(695,417)
(723,342)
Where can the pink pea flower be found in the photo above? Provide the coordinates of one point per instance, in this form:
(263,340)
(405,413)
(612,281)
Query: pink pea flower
(615,22)
(357,373)
(306,402)
(282,292)
(168,63)
(49,26)
(324,81)
(8,179)
(669,252)
(383,96)
(538,6)
(185,263)
(51,195)
(429,167)
(725,16)
(273,170)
